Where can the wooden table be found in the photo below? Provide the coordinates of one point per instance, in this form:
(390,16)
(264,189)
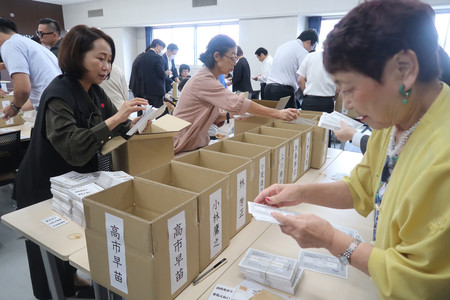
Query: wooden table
(60,242)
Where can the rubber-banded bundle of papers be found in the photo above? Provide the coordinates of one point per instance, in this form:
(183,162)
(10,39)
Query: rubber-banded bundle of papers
(332,121)
(278,272)
(69,190)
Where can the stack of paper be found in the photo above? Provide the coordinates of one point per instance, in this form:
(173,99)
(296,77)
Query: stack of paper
(275,271)
(109,179)
(332,121)
(59,187)
(69,190)
(149,114)
(76,196)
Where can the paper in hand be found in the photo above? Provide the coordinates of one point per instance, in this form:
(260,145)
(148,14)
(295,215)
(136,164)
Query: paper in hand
(149,113)
(263,212)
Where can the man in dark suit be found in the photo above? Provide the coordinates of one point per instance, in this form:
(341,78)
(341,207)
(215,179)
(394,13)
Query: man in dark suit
(169,65)
(148,76)
(241,74)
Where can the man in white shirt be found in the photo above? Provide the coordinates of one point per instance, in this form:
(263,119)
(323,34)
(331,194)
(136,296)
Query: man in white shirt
(263,56)
(31,66)
(317,85)
(282,80)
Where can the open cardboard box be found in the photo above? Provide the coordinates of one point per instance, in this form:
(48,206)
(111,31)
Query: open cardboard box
(260,156)
(16,120)
(142,239)
(238,169)
(320,139)
(279,149)
(147,150)
(213,204)
(280,104)
(306,132)
(294,156)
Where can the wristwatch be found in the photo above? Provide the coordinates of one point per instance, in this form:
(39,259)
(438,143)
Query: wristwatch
(13,106)
(344,258)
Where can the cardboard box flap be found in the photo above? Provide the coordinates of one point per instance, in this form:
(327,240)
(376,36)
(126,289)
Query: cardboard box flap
(112,144)
(304,121)
(279,105)
(168,123)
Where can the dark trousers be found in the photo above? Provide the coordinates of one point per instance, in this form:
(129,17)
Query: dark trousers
(274,91)
(263,86)
(39,277)
(317,103)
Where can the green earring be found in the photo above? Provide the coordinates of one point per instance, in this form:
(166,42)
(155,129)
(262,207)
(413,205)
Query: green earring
(404,94)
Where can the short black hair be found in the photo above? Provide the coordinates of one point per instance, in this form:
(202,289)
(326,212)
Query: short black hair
(79,40)
(184,67)
(172,47)
(54,26)
(261,50)
(239,51)
(309,35)
(157,42)
(7,26)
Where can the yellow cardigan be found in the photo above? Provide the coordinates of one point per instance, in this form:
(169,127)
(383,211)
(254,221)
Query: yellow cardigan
(411,255)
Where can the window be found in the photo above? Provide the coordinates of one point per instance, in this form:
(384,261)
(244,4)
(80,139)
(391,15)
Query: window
(193,39)
(325,27)
(442,26)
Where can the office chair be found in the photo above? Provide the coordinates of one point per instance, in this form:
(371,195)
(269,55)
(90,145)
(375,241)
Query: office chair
(10,156)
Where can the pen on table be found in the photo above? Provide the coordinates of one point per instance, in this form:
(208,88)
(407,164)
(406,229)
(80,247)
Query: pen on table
(209,271)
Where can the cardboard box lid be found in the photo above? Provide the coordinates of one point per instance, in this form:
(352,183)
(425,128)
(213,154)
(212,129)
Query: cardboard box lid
(277,132)
(238,148)
(166,126)
(279,105)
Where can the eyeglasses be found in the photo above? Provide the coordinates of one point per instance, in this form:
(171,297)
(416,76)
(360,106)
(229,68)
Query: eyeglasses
(233,58)
(41,34)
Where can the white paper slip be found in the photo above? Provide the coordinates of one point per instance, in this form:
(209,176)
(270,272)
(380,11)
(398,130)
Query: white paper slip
(221,292)
(54,221)
(2,115)
(150,113)
(332,121)
(263,212)
(348,231)
(322,263)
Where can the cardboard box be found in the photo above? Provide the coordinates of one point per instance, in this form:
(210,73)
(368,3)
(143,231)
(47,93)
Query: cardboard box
(14,121)
(293,158)
(238,169)
(243,125)
(339,106)
(213,204)
(279,149)
(147,150)
(142,239)
(306,142)
(280,104)
(260,156)
(320,139)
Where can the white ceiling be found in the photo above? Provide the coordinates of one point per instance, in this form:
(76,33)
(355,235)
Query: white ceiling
(63,2)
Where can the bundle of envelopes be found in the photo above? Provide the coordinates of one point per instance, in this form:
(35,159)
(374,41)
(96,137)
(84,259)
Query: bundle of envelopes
(69,190)
(332,121)
(278,272)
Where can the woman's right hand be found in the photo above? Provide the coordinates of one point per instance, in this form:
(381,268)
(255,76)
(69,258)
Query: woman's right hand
(345,133)
(279,195)
(129,107)
(288,114)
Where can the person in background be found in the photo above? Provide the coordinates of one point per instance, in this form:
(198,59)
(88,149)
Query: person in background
(75,119)
(317,85)
(148,77)
(169,66)
(263,56)
(115,86)
(49,34)
(282,80)
(203,96)
(184,71)
(31,66)
(383,56)
(2,67)
(241,74)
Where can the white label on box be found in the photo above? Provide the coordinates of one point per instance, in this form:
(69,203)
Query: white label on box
(221,292)
(54,221)
(10,122)
(262,174)
(295,159)
(176,227)
(116,252)
(281,165)
(215,222)
(5,103)
(308,145)
(325,146)
(241,199)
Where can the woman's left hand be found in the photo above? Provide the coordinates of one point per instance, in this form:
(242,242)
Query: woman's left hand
(309,231)
(288,114)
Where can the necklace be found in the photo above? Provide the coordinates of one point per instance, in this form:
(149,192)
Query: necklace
(394,149)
